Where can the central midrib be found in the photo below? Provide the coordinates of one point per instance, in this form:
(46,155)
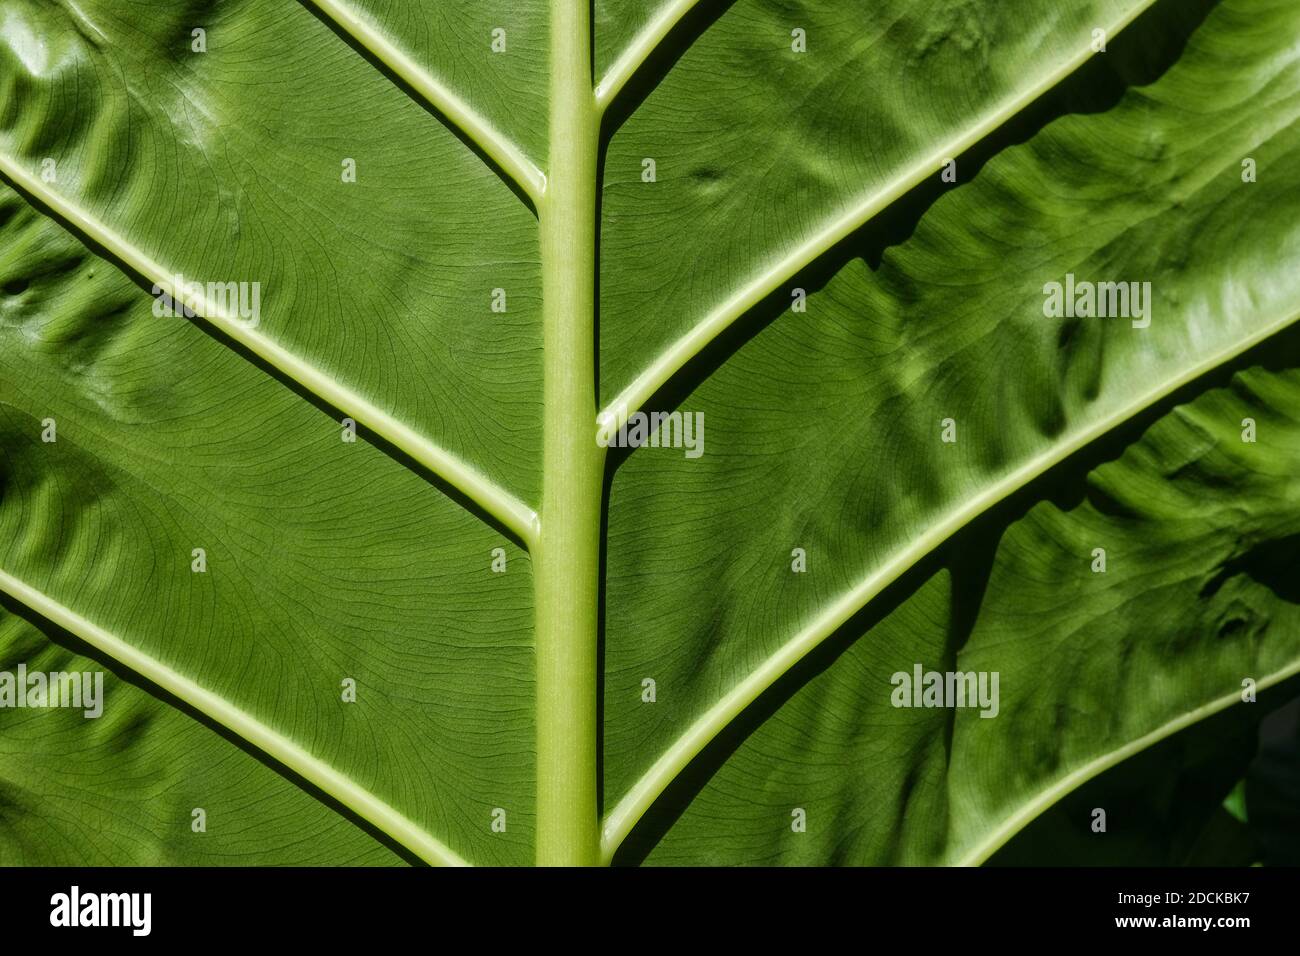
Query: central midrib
(566,560)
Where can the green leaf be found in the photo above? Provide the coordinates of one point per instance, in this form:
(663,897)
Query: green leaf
(1273,789)
(1235,802)
(121,790)
(827,231)
(1176,803)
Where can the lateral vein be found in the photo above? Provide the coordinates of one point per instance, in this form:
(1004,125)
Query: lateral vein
(343,789)
(771,278)
(1076,778)
(459,113)
(639,51)
(645,791)
(521,520)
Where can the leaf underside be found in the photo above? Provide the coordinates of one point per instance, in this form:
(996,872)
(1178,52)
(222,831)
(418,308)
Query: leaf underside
(775,170)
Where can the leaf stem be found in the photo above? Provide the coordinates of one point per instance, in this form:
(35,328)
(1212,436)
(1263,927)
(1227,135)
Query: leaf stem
(566,561)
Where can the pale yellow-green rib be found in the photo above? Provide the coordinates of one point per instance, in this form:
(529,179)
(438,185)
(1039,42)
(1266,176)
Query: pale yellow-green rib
(346,791)
(638,51)
(566,561)
(1067,784)
(500,504)
(645,791)
(454,109)
(786,265)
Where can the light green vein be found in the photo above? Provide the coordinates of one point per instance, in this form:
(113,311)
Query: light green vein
(346,791)
(494,500)
(638,51)
(1033,808)
(455,110)
(645,791)
(785,266)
